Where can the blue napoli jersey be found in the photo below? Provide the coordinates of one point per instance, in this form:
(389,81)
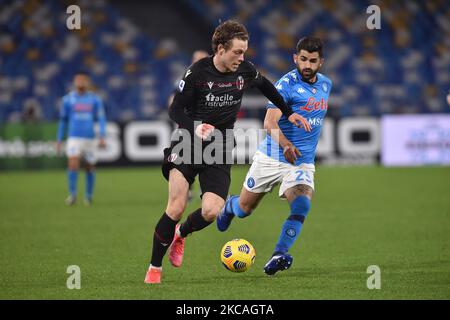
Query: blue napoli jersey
(81,112)
(308,100)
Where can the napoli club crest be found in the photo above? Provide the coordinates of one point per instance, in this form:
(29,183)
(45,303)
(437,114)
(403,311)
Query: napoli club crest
(240,82)
(324,87)
(251,182)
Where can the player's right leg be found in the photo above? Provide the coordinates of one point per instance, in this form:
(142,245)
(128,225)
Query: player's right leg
(165,228)
(72,179)
(73,153)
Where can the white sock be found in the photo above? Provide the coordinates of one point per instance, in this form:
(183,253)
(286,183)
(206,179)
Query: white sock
(150,266)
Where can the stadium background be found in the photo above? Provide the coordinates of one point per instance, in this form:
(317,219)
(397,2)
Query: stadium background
(388,107)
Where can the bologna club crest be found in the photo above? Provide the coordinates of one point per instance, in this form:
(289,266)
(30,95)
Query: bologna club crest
(240,82)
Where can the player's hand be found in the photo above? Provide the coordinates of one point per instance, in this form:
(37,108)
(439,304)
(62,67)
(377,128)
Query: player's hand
(58,148)
(291,153)
(102,143)
(299,121)
(204,130)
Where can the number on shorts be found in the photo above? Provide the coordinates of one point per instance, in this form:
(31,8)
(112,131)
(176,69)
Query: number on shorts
(303,175)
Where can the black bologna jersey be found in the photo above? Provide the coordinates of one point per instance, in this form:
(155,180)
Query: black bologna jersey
(214,97)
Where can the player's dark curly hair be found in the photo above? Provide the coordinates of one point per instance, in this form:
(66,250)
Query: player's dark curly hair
(310,44)
(227,31)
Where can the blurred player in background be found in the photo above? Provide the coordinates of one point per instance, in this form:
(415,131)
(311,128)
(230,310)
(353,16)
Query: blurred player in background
(287,156)
(210,93)
(79,111)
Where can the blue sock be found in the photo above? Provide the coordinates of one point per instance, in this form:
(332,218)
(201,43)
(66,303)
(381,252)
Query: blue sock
(90,181)
(72,177)
(293,225)
(232,207)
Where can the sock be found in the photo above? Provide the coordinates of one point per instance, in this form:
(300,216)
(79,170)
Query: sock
(72,177)
(90,181)
(162,238)
(194,222)
(293,225)
(232,207)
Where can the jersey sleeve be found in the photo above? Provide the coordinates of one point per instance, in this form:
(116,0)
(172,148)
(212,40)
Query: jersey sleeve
(184,97)
(282,87)
(254,74)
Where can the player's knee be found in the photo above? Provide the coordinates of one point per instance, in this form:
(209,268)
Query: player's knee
(210,213)
(175,209)
(74,165)
(300,206)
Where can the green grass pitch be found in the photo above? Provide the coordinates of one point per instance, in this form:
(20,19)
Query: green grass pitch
(396,218)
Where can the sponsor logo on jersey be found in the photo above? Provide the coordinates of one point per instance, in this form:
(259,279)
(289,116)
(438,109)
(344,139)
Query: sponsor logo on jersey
(313,105)
(301,90)
(82,107)
(220,101)
(187,73)
(316,121)
(240,82)
(212,84)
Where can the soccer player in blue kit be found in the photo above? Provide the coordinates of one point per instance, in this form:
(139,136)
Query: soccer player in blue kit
(79,112)
(287,154)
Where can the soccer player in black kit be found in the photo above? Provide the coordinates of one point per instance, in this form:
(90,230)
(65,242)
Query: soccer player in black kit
(210,94)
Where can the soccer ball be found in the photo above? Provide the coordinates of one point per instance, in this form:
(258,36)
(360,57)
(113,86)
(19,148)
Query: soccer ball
(238,255)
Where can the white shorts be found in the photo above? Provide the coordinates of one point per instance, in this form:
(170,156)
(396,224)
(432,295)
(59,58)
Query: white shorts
(267,172)
(82,147)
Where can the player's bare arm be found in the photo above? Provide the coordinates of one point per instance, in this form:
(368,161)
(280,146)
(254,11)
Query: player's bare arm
(271,125)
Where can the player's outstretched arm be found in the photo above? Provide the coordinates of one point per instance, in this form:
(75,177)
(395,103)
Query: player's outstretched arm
(268,89)
(271,125)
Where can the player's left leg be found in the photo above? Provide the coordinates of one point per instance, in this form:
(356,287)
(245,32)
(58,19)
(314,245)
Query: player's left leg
(214,183)
(299,198)
(196,221)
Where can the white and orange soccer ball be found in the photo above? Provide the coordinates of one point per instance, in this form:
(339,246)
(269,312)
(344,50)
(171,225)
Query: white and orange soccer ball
(238,255)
